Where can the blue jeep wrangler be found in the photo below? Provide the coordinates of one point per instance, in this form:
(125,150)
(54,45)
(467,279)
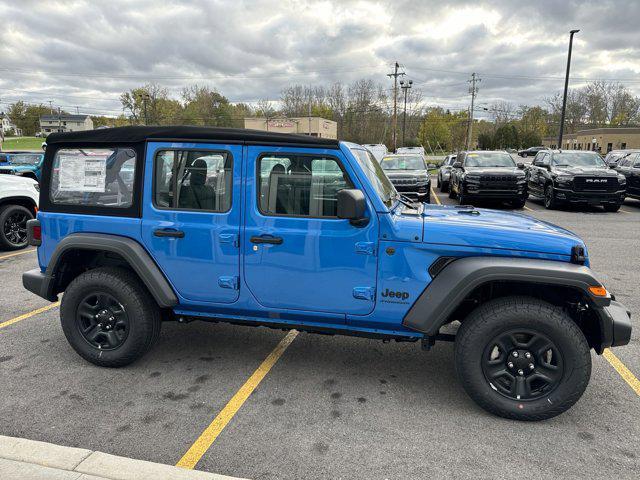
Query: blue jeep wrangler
(139,225)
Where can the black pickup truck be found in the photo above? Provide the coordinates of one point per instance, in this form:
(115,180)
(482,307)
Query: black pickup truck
(576,177)
(488,175)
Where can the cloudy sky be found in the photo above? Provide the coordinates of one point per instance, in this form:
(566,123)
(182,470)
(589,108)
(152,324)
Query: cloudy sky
(85,53)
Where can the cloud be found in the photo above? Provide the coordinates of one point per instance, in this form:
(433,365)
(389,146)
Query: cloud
(83,53)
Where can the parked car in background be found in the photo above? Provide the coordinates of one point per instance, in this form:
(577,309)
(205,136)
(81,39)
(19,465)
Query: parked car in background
(18,204)
(409,174)
(531,151)
(444,173)
(488,175)
(576,176)
(614,156)
(629,166)
(412,150)
(24,164)
(378,150)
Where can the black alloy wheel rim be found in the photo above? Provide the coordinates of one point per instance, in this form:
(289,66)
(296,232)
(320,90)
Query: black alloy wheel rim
(522,365)
(15,228)
(102,321)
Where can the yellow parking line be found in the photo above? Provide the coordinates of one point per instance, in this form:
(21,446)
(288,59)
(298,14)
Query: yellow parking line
(206,439)
(24,316)
(22,252)
(527,208)
(435,197)
(622,369)
(624,211)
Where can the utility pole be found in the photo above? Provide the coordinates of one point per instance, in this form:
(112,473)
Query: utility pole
(395,76)
(566,87)
(405,89)
(309,112)
(145,97)
(59,121)
(473,90)
(77,110)
(50,107)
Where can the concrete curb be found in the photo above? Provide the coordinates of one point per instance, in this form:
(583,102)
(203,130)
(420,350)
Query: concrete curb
(29,459)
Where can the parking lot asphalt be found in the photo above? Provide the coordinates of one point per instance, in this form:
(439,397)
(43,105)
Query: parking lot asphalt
(335,407)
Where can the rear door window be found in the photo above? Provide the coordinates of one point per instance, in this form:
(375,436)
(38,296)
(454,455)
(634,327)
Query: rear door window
(100,177)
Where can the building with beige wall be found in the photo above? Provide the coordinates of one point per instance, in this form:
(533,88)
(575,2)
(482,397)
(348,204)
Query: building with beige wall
(601,140)
(316,126)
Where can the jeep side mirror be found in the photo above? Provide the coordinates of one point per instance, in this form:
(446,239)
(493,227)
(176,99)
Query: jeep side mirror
(521,165)
(457,165)
(352,206)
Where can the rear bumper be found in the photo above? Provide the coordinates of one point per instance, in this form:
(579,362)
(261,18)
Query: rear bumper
(615,325)
(39,283)
(593,198)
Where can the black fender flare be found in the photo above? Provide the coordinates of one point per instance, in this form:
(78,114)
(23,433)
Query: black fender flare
(130,250)
(459,278)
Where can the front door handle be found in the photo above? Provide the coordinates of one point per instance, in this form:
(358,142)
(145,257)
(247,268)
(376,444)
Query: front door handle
(168,232)
(266,239)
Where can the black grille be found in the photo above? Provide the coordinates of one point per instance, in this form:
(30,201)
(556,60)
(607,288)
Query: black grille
(497,178)
(597,184)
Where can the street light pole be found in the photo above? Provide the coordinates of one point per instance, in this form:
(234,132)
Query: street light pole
(566,87)
(405,89)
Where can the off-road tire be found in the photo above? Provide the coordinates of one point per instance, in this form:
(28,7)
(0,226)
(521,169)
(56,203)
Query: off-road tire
(143,315)
(508,314)
(518,203)
(451,193)
(611,207)
(549,199)
(6,211)
(444,186)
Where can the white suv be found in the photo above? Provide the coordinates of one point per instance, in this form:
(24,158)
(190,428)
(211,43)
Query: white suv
(18,204)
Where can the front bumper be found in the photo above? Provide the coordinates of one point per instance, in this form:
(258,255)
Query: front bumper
(615,325)
(591,198)
(415,191)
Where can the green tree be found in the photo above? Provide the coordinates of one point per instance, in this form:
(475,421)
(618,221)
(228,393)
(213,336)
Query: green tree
(27,117)
(435,130)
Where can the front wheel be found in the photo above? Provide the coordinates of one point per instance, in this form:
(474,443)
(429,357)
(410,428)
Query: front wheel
(451,192)
(611,207)
(13,226)
(520,203)
(550,201)
(522,358)
(109,317)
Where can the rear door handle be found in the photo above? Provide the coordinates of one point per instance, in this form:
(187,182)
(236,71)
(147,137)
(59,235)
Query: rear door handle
(266,239)
(168,232)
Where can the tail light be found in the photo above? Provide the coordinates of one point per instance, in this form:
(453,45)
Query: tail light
(34,233)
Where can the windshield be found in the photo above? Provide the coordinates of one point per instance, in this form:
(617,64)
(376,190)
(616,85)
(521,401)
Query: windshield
(371,168)
(26,159)
(404,162)
(489,159)
(578,159)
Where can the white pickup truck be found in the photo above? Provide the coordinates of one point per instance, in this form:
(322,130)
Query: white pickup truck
(18,204)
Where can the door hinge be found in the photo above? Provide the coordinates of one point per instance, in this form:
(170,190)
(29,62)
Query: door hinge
(231,282)
(364,293)
(366,248)
(231,238)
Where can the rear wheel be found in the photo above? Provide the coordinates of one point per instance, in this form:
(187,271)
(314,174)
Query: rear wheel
(109,317)
(451,193)
(444,186)
(522,358)
(13,226)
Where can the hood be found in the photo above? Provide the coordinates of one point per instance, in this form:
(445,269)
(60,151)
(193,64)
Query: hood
(394,174)
(495,229)
(593,171)
(18,168)
(14,181)
(493,171)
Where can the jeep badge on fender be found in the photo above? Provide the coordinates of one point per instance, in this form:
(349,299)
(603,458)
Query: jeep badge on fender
(286,231)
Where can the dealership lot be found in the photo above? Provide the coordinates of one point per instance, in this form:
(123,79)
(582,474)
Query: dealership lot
(335,407)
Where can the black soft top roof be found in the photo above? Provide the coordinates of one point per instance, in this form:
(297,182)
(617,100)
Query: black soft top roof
(138,134)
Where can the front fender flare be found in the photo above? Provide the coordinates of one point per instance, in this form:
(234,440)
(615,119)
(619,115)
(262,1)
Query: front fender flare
(459,278)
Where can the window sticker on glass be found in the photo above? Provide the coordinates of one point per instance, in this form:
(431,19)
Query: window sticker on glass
(82,174)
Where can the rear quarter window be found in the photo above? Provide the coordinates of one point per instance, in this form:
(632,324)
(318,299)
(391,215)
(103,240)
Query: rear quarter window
(96,177)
